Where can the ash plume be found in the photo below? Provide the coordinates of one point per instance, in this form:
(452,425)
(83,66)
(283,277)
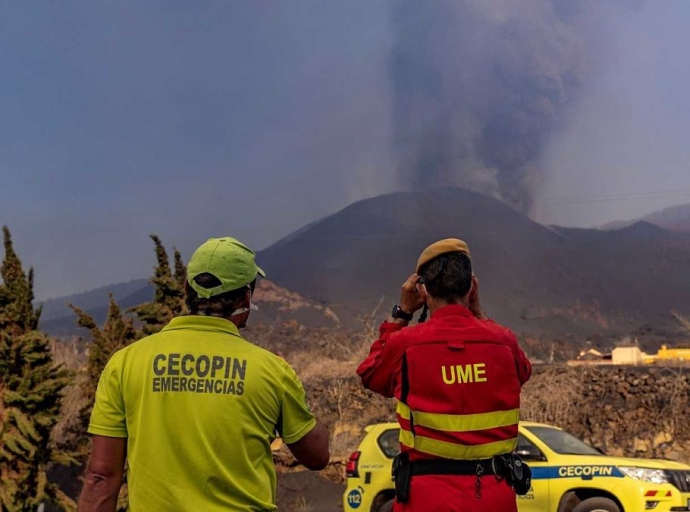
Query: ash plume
(478,85)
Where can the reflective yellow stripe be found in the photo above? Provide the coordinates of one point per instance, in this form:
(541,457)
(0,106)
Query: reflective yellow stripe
(456,451)
(403,410)
(460,422)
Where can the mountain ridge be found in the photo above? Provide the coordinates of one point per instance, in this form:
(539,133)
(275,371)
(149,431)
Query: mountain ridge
(543,280)
(528,272)
(674,218)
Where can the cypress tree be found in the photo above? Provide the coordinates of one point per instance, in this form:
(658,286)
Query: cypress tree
(30,395)
(117,332)
(168,298)
(180,272)
(17,313)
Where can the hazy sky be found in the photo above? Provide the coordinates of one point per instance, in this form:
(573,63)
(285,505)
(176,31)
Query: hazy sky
(187,119)
(252,118)
(625,149)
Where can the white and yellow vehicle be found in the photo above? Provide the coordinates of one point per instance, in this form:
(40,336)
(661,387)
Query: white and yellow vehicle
(567,475)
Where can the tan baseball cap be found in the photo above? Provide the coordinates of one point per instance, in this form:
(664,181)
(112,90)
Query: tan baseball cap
(441,247)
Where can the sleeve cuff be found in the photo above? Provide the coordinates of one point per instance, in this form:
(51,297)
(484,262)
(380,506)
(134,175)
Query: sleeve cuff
(390,327)
(293,438)
(107,432)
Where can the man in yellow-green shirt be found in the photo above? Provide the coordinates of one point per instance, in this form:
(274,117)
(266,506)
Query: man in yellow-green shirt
(194,408)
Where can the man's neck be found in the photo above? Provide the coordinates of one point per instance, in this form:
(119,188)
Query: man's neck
(435,304)
(239,321)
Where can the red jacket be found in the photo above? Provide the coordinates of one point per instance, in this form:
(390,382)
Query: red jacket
(457,380)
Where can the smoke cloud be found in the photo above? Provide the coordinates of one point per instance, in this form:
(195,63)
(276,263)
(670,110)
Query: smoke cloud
(478,87)
(622,150)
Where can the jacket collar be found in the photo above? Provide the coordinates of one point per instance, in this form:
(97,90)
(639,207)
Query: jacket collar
(203,323)
(451,310)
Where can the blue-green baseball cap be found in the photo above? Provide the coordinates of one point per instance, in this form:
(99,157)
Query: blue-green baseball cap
(229,260)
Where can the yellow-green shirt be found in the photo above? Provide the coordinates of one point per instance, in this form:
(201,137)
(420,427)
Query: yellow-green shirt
(199,407)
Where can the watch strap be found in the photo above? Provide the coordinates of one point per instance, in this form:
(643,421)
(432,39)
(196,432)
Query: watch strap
(399,313)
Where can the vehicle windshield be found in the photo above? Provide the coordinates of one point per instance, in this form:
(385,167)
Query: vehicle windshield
(562,442)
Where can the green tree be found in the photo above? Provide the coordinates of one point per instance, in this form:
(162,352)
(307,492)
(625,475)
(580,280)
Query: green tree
(180,272)
(17,313)
(117,332)
(31,388)
(168,300)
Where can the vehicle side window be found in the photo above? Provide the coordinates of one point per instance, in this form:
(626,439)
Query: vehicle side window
(389,443)
(528,450)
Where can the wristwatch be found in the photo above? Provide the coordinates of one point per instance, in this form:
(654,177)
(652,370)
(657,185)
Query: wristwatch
(399,313)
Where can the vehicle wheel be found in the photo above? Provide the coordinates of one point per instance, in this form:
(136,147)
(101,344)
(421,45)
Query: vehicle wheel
(387,507)
(597,505)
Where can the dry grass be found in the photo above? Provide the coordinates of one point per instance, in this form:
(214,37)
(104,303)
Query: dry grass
(551,396)
(72,403)
(302,504)
(674,397)
(329,355)
(310,366)
(345,437)
(593,404)
(67,354)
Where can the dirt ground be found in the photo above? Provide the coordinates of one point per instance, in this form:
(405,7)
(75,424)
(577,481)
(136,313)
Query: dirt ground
(307,491)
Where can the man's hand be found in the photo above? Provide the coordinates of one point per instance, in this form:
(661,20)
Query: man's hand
(475,305)
(411,300)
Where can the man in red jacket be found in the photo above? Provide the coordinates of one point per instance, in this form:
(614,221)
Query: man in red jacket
(457,379)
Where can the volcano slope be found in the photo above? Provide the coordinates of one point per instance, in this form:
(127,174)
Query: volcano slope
(538,280)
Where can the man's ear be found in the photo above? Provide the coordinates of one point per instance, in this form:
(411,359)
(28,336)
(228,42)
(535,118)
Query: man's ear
(421,290)
(474,287)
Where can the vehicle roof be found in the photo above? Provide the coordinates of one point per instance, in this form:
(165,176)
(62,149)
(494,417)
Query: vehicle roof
(536,424)
(378,428)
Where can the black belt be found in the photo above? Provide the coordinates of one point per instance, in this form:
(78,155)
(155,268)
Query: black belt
(506,467)
(450,467)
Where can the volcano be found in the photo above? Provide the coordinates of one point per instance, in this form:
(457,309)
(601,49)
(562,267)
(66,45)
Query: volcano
(534,278)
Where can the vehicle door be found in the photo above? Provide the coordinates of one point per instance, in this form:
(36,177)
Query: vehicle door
(537,499)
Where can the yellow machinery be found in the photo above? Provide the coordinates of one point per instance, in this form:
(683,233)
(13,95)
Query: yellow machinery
(666,354)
